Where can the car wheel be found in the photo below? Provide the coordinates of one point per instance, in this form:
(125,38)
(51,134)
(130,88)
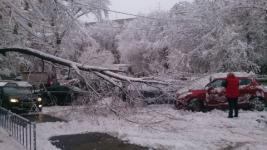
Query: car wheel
(256,103)
(195,105)
(179,105)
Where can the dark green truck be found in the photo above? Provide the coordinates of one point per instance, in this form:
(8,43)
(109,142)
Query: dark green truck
(19,97)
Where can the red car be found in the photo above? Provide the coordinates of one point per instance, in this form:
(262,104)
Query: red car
(252,96)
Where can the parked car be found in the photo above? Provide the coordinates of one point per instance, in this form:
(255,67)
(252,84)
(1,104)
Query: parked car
(160,94)
(60,95)
(158,97)
(19,97)
(262,80)
(212,96)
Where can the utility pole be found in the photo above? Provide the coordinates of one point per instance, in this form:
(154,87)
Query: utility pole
(100,11)
(159,6)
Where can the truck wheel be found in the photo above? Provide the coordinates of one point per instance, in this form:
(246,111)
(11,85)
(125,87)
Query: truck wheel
(195,105)
(256,103)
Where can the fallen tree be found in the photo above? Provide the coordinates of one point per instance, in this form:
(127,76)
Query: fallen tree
(109,74)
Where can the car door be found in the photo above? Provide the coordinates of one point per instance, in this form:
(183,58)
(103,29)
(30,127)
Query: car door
(1,97)
(246,90)
(215,97)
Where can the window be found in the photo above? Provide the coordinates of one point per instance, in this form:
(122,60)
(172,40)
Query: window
(217,83)
(16,90)
(244,82)
(11,85)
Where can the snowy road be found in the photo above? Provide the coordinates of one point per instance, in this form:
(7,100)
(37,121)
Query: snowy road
(163,127)
(159,126)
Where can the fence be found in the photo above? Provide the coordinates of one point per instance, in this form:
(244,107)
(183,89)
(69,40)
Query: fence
(20,128)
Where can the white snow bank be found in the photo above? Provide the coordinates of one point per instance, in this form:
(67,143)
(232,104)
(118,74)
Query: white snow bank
(163,127)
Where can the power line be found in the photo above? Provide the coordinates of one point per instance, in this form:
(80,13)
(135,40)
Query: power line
(105,9)
(118,27)
(120,12)
(95,24)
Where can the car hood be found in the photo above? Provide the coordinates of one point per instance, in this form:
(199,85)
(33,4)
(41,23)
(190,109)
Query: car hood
(23,97)
(197,92)
(191,93)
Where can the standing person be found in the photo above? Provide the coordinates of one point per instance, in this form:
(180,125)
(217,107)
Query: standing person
(232,93)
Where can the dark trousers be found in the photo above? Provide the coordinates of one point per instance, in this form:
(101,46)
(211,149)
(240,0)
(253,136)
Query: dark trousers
(233,105)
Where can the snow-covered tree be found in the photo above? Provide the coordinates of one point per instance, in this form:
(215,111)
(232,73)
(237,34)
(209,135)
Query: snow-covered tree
(52,26)
(105,34)
(143,44)
(231,47)
(199,37)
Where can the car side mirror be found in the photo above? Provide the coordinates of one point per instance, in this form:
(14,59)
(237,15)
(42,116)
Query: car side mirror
(209,89)
(208,86)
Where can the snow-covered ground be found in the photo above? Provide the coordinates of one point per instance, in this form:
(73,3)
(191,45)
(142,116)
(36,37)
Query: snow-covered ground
(158,126)
(161,127)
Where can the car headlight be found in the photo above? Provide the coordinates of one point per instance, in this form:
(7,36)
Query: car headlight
(13,100)
(39,99)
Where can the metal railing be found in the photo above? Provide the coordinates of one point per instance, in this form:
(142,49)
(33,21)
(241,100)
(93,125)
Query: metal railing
(23,130)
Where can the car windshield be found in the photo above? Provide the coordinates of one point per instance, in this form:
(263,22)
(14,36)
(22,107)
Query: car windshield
(217,83)
(222,83)
(17,90)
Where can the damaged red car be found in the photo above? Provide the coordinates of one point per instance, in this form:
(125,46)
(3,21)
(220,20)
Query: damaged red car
(212,96)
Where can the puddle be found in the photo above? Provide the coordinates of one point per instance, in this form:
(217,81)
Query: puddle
(235,146)
(92,141)
(41,118)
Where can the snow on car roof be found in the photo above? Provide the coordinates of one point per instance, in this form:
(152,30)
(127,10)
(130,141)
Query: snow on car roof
(201,82)
(238,74)
(2,83)
(24,84)
(19,83)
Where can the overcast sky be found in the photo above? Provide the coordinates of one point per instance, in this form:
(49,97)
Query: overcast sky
(139,6)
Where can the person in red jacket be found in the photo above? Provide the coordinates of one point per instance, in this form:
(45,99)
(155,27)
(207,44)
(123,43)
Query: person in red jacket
(232,93)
